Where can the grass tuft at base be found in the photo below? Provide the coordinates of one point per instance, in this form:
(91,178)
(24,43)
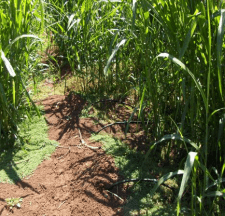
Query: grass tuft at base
(30,149)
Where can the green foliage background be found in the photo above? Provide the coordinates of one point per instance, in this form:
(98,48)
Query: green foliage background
(167,55)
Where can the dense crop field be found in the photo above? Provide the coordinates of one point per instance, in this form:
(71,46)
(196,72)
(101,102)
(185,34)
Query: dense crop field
(166,55)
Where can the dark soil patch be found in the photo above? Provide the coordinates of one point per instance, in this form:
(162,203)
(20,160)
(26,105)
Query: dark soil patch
(73,180)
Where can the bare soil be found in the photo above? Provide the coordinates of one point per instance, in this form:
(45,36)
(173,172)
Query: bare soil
(74,180)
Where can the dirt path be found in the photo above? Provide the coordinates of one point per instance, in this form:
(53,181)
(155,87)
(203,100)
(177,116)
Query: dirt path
(72,181)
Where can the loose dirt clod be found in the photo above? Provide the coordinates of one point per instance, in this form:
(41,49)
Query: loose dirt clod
(73,180)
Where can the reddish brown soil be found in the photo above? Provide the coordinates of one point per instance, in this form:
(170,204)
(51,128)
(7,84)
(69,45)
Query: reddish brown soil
(73,180)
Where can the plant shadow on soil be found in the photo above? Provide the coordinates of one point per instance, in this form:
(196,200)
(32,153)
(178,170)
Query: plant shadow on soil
(10,172)
(80,176)
(30,148)
(74,174)
(132,165)
(130,162)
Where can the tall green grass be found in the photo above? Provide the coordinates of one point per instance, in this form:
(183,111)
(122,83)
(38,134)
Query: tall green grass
(20,21)
(87,34)
(195,50)
(171,55)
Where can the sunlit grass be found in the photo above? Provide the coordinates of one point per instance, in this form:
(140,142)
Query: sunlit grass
(31,147)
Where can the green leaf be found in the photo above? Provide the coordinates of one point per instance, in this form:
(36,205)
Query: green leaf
(113,55)
(171,137)
(164,178)
(8,65)
(188,38)
(183,66)
(220,34)
(72,22)
(29,98)
(141,102)
(216,183)
(134,12)
(23,36)
(176,137)
(214,194)
(187,171)
(215,111)
(108,15)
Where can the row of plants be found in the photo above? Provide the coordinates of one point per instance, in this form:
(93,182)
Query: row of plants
(168,55)
(21,22)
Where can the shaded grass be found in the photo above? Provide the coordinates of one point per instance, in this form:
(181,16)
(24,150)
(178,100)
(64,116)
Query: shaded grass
(31,148)
(131,165)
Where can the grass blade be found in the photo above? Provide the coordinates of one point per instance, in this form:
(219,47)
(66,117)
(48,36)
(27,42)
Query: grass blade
(215,193)
(174,137)
(113,55)
(164,178)
(187,171)
(183,66)
(220,34)
(188,38)
(8,65)
(216,182)
(22,36)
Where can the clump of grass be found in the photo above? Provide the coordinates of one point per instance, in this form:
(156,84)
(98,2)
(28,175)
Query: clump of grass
(14,202)
(31,147)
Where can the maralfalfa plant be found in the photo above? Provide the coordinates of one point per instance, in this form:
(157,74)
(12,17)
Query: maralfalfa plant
(86,34)
(112,46)
(20,20)
(194,34)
